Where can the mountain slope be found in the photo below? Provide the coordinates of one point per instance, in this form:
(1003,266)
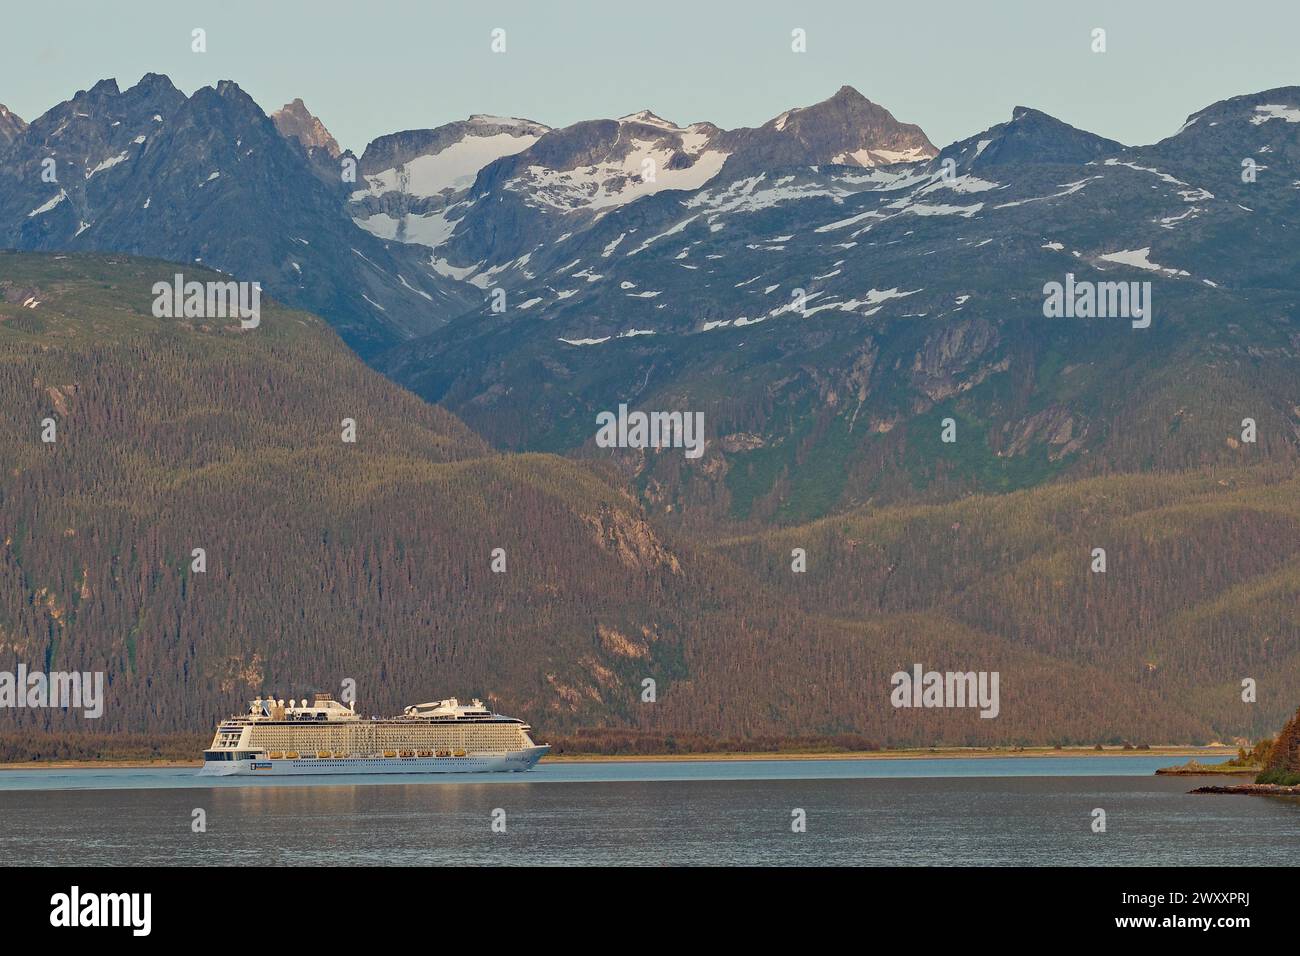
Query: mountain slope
(539,194)
(373,561)
(1199,591)
(1030,136)
(209,179)
(827,321)
(415,181)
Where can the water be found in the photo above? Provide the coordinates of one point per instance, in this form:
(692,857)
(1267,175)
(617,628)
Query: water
(921,811)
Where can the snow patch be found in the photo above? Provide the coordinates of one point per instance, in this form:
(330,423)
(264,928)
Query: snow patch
(1138,258)
(1273,111)
(408,285)
(107,164)
(611,246)
(46,207)
(851,221)
(1068,189)
(453,168)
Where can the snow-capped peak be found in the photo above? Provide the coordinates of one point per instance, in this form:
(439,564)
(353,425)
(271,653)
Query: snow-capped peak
(649,119)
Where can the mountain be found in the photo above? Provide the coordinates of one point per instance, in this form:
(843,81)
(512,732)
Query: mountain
(324,559)
(825,309)
(487,193)
(415,181)
(444,214)
(1029,137)
(209,178)
(828,320)
(11,126)
(845,130)
(295,121)
(328,560)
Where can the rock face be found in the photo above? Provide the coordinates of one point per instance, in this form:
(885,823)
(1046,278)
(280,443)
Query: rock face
(846,130)
(1055,426)
(632,540)
(295,121)
(938,366)
(11,126)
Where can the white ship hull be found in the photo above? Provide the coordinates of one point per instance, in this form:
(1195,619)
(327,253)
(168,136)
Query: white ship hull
(314,767)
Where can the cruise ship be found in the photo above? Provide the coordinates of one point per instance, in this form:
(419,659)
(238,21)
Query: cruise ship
(327,737)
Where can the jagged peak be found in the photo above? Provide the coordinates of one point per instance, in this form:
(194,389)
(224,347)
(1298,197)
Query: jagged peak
(295,121)
(153,83)
(228,88)
(227,91)
(846,97)
(846,128)
(648,118)
(848,93)
(105,87)
(847,100)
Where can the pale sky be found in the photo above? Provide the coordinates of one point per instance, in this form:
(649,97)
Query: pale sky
(954,68)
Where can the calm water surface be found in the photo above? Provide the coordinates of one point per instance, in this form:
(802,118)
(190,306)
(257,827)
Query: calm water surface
(922,811)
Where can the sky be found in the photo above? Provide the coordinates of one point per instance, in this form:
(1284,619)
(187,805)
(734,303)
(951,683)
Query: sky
(954,68)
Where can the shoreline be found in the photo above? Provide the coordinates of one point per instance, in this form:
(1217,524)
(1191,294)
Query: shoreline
(947,753)
(1253,790)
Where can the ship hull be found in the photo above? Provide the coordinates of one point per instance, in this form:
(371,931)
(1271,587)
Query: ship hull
(514,761)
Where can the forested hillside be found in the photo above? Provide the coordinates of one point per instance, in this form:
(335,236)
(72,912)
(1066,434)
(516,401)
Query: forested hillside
(373,560)
(1201,587)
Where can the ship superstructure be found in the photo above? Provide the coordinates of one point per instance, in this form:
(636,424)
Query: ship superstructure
(325,736)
